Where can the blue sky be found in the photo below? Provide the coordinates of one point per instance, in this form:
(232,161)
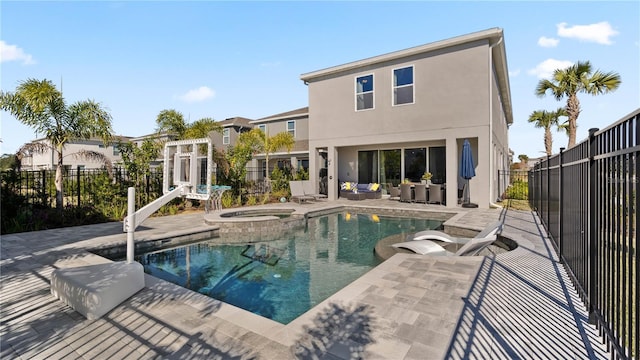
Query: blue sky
(226,59)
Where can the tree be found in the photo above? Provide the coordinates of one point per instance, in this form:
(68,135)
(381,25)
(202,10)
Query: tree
(171,121)
(546,119)
(263,143)
(39,105)
(523,158)
(575,79)
(8,161)
(201,129)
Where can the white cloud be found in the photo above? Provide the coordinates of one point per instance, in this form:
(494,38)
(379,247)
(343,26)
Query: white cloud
(547,42)
(196,95)
(514,73)
(14,53)
(545,69)
(599,33)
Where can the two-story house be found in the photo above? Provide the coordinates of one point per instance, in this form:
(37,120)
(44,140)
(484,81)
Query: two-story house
(295,122)
(48,160)
(394,116)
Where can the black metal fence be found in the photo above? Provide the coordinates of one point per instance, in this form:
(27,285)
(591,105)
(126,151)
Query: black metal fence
(80,186)
(586,199)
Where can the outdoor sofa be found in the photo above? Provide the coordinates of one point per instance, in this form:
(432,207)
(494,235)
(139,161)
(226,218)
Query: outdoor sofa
(371,190)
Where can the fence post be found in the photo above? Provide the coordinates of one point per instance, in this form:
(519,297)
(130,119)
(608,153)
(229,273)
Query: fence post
(548,197)
(78,181)
(561,203)
(591,235)
(45,192)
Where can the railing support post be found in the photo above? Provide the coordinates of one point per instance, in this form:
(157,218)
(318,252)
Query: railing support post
(78,181)
(591,234)
(548,197)
(560,203)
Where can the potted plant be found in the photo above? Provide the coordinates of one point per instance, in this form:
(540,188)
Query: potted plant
(426,178)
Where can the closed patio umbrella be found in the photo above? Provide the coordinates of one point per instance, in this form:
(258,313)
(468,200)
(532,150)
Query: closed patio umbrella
(467,171)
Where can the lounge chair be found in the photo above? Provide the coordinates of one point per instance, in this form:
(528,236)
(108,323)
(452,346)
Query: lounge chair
(428,247)
(307,188)
(297,192)
(491,230)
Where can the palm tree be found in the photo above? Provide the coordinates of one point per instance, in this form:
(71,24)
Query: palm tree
(263,143)
(171,121)
(201,128)
(546,119)
(575,79)
(38,104)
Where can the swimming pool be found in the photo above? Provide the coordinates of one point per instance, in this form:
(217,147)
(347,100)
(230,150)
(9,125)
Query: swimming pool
(282,279)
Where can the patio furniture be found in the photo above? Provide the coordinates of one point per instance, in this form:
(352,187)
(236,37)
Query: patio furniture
(420,193)
(297,192)
(372,190)
(307,187)
(435,193)
(428,247)
(406,193)
(490,230)
(394,193)
(356,196)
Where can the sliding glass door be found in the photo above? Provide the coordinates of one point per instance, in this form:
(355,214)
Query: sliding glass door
(438,164)
(390,163)
(415,163)
(368,167)
(385,166)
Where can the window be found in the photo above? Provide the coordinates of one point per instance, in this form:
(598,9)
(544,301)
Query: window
(263,127)
(364,92)
(225,137)
(403,86)
(116,150)
(291,127)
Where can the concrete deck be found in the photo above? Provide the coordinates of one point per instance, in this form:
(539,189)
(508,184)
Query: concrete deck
(518,304)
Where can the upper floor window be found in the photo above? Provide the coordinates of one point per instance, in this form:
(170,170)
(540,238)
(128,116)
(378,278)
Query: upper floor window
(263,127)
(403,86)
(116,150)
(226,139)
(364,92)
(291,127)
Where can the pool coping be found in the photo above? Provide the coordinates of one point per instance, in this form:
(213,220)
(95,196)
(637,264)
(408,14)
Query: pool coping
(288,334)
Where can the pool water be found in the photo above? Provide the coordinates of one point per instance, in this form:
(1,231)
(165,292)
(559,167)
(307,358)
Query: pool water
(284,278)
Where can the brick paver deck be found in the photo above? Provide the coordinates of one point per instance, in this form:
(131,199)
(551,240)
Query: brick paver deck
(519,304)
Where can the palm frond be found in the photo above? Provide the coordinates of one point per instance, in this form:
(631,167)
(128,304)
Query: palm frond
(95,156)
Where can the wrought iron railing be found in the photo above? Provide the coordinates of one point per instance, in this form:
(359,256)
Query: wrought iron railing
(586,198)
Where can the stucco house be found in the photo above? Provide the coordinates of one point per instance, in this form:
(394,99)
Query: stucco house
(295,122)
(231,129)
(394,116)
(48,160)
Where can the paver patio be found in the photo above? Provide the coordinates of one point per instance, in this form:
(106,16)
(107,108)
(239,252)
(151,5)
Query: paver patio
(518,304)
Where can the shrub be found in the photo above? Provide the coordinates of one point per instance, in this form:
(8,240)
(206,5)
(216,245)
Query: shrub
(519,190)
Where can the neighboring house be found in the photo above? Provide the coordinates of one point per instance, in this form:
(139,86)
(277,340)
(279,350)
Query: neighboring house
(295,122)
(394,116)
(48,160)
(231,129)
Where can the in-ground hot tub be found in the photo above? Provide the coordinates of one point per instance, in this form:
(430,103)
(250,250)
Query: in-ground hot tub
(255,224)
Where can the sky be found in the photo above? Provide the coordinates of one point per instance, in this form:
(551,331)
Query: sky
(221,59)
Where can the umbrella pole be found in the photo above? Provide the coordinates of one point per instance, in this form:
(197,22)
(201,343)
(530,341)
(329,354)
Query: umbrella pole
(467,201)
